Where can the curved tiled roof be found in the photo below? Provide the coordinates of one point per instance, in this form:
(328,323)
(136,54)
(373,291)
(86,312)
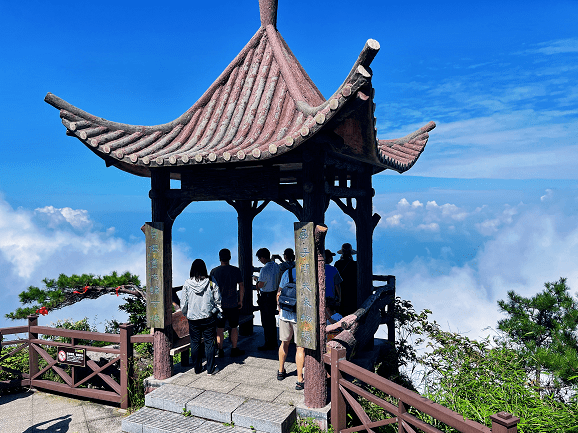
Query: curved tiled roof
(263,105)
(400,154)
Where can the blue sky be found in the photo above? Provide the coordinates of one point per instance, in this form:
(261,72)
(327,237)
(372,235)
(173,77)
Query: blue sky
(489,207)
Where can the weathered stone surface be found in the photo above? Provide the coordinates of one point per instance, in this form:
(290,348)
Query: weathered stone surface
(171,397)
(264,416)
(214,406)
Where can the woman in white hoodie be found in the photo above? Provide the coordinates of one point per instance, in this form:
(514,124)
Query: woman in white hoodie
(201,304)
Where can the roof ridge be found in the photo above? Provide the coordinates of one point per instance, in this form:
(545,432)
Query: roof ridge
(294,90)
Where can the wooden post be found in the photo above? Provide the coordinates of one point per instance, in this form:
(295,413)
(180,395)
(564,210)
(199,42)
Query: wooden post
(504,422)
(364,236)
(391,314)
(125,363)
(338,410)
(162,341)
(32,354)
(401,410)
(314,204)
(245,251)
(247,210)
(73,368)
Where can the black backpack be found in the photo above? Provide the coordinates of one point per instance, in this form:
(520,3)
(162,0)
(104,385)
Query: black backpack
(288,297)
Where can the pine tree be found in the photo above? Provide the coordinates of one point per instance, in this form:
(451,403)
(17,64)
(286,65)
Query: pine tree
(545,328)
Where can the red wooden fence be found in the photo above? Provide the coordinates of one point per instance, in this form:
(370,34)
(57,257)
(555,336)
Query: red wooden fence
(342,390)
(117,392)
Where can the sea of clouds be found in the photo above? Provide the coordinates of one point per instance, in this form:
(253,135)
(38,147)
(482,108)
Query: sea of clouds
(456,259)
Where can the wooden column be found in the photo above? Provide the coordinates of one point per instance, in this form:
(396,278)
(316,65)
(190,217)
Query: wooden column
(314,205)
(364,236)
(247,210)
(245,251)
(160,185)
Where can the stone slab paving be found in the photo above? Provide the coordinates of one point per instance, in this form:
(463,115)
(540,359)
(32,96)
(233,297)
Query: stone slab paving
(150,420)
(264,416)
(215,406)
(246,392)
(258,392)
(171,397)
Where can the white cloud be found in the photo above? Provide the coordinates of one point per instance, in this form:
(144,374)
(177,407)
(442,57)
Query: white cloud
(490,226)
(420,217)
(403,203)
(77,218)
(526,247)
(351,226)
(431,227)
(547,196)
(557,47)
(61,241)
(393,220)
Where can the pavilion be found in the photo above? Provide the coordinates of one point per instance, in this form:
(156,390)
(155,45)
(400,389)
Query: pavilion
(261,132)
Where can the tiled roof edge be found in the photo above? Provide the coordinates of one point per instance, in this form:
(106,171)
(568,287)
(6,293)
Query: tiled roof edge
(400,154)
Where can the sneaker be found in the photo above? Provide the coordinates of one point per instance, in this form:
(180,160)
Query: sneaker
(235,351)
(221,353)
(299,386)
(215,371)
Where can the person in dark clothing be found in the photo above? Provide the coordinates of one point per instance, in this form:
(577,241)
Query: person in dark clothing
(347,268)
(227,277)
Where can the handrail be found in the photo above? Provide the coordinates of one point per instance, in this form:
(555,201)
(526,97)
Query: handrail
(142,338)
(122,354)
(72,333)
(502,422)
(14,330)
(359,328)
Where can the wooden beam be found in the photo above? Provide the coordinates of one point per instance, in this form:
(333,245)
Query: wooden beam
(236,184)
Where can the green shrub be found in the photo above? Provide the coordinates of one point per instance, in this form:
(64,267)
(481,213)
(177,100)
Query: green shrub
(308,425)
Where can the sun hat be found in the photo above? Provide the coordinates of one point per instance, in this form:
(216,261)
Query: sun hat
(346,249)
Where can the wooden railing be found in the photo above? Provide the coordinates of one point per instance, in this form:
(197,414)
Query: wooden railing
(342,390)
(117,391)
(357,330)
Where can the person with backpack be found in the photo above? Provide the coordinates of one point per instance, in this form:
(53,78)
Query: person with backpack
(287,302)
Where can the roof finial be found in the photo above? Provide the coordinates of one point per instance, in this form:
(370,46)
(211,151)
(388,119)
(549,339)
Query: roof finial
(268,9)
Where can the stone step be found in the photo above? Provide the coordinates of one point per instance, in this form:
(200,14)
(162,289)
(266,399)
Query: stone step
(168,403)
(151,420)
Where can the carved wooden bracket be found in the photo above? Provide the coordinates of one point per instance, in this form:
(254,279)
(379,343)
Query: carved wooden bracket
(251,211)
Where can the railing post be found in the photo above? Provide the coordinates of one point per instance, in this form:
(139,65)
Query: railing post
(337,400)
(401,409)
(391,313)
(32,354)
(125,363)
(504,422)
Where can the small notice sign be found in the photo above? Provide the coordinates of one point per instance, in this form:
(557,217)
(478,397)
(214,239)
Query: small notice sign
(71,356)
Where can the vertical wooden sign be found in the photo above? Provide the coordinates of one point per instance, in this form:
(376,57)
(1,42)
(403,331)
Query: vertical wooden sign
(154,260)
(306,282)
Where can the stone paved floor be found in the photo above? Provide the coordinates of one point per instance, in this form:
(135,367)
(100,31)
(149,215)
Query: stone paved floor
(252,375)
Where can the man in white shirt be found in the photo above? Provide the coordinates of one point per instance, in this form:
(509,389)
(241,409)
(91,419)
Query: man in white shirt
(267,285)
